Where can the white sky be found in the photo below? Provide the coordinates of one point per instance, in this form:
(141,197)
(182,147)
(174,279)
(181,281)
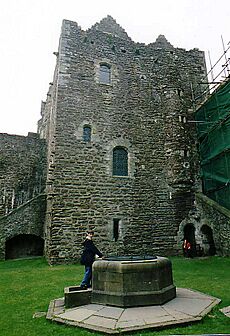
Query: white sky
(30,29)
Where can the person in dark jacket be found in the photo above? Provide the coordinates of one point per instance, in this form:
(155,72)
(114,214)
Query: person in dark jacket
(87,259)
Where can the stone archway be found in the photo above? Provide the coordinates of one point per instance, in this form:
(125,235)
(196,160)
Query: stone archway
(208,241)
(24,246)
(189,235)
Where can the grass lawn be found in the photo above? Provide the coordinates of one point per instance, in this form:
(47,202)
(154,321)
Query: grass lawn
(27,287)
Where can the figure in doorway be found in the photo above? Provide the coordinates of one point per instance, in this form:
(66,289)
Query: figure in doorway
(187,249)
(88,256)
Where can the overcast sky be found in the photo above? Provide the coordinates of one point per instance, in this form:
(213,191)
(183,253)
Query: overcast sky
(30,29)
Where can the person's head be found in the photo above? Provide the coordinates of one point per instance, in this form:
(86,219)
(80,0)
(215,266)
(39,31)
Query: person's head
(90,234)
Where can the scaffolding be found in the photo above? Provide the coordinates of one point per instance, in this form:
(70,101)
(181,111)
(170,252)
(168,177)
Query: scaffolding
(212,120)
(217,74)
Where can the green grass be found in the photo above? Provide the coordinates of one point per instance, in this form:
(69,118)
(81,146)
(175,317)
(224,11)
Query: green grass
(27,287)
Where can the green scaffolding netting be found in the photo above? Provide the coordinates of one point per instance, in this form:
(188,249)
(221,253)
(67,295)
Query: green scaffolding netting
(213,129)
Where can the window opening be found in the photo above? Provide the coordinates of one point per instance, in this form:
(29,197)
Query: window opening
(120,162)
(186,153)
(105,74)
(116,223)
(208,241)
(87,133)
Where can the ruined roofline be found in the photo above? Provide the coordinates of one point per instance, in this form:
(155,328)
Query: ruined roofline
(108,25)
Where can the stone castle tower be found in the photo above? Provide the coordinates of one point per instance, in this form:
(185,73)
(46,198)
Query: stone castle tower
(121,150)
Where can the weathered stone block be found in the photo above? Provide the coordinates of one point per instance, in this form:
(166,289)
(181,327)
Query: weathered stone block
(75,296)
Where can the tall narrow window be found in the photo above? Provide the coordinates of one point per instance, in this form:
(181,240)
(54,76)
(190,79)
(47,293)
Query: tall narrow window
(105,74)
(120,161)
(116,229)
(86,133)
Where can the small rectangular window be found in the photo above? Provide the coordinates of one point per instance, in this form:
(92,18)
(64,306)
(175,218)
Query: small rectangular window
(116,223)
(87,133)
(105,74)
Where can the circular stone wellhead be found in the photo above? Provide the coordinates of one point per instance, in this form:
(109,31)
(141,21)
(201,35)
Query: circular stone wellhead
(132,281)
(129,258)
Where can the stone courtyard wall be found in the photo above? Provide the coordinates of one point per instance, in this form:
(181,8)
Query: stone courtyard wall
(22,179)
(22,169)
(28,218)
(218,218)
(207,213)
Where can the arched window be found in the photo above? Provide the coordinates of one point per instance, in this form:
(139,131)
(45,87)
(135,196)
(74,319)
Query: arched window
(86,133)
(120,161)
(105,74)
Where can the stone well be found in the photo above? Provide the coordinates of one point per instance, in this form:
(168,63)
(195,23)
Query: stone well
(132,281)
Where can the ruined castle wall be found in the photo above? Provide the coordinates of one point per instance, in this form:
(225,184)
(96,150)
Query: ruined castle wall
(22,169)
(145,110)
(22,177)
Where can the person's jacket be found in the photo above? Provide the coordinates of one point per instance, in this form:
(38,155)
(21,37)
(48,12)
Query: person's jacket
(89,253)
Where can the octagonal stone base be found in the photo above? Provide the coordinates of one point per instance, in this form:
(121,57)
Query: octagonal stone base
(188,306)
(132,283)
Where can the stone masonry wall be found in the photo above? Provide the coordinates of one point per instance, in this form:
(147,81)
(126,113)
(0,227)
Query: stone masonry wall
(218,219)
(22,179)
(208,213)
(145,109)
(22,169)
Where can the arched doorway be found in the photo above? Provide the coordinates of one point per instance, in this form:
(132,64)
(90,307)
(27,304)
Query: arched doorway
(24,246)
(189,235)
(208,242)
